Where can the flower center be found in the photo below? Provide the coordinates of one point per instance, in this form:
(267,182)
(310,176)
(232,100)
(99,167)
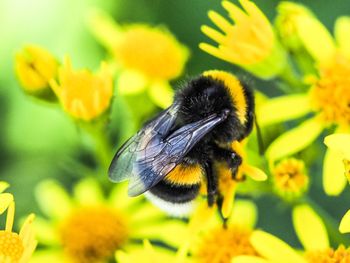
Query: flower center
(340,255)
(221,245)
(289,177)
(11,247)
(330,94)
(92,234)
(151,51)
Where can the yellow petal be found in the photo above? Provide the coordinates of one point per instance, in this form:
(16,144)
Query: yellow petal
(53,200)
(46,232)
(254,172)
(48,255)
(216,52)
(122,257)
(5,201)
(131,82)
(274,248)
(283,108)
(342,35)
(334,180)
(213,34)
(119,198)
(244,213)
(173,232)
(3,186)
(294,140)
(27,229)
(312,32)
(249,259)
(104,28)
(219,21)
(161,94)
(146,211)
(344,226)
(339,142)
(202,218)
(88,192)
(308,225)
(228,199)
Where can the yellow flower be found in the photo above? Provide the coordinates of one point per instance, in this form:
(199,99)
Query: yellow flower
(15,248)
(327,100)
(148,56)
(210,241)
(308,225)
(35,67)
(250,42)
(227,185)
(89,228)
(83,95)
(340,145)
(290,180)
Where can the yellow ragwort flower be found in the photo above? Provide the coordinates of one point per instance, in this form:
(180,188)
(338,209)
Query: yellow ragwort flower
(83,95)
(289,178)
(340,145)
(89,228)
(312,234)
(15,248)
(327,100)
(35,67)
(210,241)
(227,185)
(148,56)
(250,42)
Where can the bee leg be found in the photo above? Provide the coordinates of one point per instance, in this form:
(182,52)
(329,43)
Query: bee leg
(211,183)
(232,159)
(224,219)
(236,161)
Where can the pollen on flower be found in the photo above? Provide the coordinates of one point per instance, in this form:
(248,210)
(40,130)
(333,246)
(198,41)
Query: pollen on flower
(289,177)
(11,247)
(222,244)
(93,234)
(341,254)
(151,51)
(330,94)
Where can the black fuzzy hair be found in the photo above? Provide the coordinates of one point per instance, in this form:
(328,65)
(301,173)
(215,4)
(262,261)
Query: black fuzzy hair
(204,96)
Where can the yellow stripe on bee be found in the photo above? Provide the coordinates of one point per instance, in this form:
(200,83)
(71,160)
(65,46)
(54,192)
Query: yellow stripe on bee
(235,90)
(185,175)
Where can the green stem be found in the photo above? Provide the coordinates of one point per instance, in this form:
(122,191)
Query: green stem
(330,223)
(103,149)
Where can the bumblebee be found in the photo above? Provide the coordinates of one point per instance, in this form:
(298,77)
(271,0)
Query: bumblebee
(172,156)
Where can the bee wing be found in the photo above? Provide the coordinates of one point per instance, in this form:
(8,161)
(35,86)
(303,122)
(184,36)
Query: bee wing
(156,162)
(144,143)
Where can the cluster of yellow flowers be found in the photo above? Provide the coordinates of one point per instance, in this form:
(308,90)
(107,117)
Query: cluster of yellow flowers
(82,225)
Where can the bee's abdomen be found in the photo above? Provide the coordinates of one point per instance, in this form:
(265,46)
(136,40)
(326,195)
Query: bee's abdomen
(180,185)
(175,193)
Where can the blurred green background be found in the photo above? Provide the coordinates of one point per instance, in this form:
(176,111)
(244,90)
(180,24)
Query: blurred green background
(38,141)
